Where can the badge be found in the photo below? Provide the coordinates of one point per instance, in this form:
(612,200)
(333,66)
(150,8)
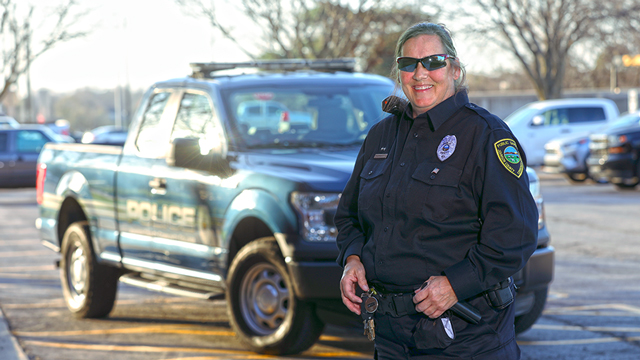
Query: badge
(507,151)
(447,147)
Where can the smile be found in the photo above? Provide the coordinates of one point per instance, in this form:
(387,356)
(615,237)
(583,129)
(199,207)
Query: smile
(423,87)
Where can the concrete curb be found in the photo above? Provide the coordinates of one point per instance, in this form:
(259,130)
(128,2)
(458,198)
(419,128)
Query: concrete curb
(9,347)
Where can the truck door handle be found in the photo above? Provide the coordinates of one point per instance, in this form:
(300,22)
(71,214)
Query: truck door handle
(158,186)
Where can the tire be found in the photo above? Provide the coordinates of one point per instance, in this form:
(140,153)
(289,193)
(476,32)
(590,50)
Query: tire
(577,177)
(525,322)
(625,186)
(262,307)
(89,288)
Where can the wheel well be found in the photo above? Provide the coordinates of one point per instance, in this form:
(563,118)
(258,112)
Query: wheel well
(70,212)
(247,230)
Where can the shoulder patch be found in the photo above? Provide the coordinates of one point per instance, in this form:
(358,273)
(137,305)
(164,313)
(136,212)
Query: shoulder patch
(509,156)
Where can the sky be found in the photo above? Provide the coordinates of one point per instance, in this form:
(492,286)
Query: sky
(138,42)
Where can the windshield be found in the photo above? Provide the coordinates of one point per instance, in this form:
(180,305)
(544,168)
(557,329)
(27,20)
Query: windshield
(295,116)
(522,114)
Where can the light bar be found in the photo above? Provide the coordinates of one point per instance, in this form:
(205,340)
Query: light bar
(342,64)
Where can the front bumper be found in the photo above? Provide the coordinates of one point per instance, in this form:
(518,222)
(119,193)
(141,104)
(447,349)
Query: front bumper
(614,168)
(321,279)
(538,272)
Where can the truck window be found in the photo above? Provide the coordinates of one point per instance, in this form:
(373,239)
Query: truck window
(148,140)
(585,114)
(30,141)
(196,119)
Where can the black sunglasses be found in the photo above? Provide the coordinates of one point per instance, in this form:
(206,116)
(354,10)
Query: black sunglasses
(432,62)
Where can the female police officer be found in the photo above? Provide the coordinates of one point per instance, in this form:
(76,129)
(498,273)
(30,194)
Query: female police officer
(437,211)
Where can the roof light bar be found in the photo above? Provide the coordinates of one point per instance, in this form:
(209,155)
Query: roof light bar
(342,64)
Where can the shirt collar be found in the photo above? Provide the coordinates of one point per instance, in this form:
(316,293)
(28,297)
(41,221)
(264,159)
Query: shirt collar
(441,112)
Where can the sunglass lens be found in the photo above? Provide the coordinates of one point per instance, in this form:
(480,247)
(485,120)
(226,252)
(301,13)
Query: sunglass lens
(407,64)
(433,62)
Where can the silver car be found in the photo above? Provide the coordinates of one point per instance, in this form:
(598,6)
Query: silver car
(568,156)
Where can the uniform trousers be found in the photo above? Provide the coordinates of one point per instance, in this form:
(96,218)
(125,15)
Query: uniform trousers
(402,338)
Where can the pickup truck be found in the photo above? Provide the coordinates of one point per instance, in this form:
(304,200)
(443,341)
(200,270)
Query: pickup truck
(193,205)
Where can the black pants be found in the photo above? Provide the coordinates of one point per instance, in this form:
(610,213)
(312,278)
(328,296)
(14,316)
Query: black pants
(415,337)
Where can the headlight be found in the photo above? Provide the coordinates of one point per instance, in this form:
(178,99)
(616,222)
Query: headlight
(616,140)
(316,211)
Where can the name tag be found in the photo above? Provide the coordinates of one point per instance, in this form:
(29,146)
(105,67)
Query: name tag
(380,156)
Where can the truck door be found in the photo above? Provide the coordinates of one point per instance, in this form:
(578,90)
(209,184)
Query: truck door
(185,225)
(137,179)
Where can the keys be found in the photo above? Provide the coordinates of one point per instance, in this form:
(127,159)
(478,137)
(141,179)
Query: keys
(369,306)
(370,329)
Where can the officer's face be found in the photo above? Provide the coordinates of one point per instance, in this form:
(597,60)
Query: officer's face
(426,89)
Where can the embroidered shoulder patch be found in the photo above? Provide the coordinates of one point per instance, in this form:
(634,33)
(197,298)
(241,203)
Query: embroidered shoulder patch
(507,151)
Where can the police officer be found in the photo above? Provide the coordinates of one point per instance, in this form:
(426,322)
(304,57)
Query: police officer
(436,214)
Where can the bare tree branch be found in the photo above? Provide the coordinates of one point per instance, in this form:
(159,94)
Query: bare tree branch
(18,37)
(541,34)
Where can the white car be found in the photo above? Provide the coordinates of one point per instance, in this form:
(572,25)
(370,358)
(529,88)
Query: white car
(537,123)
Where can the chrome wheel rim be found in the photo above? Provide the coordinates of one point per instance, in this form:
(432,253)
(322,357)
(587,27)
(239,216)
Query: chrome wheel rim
(264,299)
(76,268)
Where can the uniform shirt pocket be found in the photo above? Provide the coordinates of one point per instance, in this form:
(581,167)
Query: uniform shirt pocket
(371,183)
(433,190)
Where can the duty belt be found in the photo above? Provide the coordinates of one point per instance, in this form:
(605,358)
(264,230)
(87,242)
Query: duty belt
(401,304)
(395,304)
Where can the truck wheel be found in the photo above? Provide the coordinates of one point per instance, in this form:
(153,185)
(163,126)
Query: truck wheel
(577,177)
(263,310)
(626,186)
(89,288)
(526,321)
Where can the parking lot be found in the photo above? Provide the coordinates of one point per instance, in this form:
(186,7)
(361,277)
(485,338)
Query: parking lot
(593,310)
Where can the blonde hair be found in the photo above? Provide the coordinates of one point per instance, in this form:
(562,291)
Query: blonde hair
(447,42)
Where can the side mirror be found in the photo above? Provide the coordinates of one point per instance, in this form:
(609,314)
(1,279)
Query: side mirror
(187,153)
(537,120)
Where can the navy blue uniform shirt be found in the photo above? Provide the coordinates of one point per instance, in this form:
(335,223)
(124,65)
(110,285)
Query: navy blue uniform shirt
(446,193)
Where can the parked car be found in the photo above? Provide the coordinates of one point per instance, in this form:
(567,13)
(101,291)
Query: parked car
(8,121)
(105,135)
(272,116)
(615,151)
(537,123)
(568,156)
(19,150)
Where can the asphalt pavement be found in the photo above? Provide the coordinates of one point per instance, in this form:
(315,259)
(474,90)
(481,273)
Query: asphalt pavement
(9,347)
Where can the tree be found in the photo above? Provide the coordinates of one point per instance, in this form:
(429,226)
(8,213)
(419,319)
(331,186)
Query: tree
(542,35)
(316,29)
(19,38)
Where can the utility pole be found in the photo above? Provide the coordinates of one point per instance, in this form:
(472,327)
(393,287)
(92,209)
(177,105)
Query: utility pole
(27,70)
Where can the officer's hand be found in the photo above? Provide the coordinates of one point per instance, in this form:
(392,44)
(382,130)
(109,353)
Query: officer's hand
(436,297)
(353,274)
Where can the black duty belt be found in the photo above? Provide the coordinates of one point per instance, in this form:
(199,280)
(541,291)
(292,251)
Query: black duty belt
(401,304)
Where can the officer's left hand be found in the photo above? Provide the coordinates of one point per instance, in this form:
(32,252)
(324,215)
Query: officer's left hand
(436,297)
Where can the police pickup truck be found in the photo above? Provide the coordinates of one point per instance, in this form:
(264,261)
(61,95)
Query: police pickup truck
(195,205)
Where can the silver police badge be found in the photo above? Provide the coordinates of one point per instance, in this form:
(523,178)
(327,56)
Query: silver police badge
(447,147)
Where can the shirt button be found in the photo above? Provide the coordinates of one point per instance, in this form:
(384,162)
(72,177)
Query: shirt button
(386,229)
(370,172)
(401,164)
(388,194)
(415,134)
(433,176)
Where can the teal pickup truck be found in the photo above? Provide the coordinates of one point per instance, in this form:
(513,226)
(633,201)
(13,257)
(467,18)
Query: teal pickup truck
(195,205)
